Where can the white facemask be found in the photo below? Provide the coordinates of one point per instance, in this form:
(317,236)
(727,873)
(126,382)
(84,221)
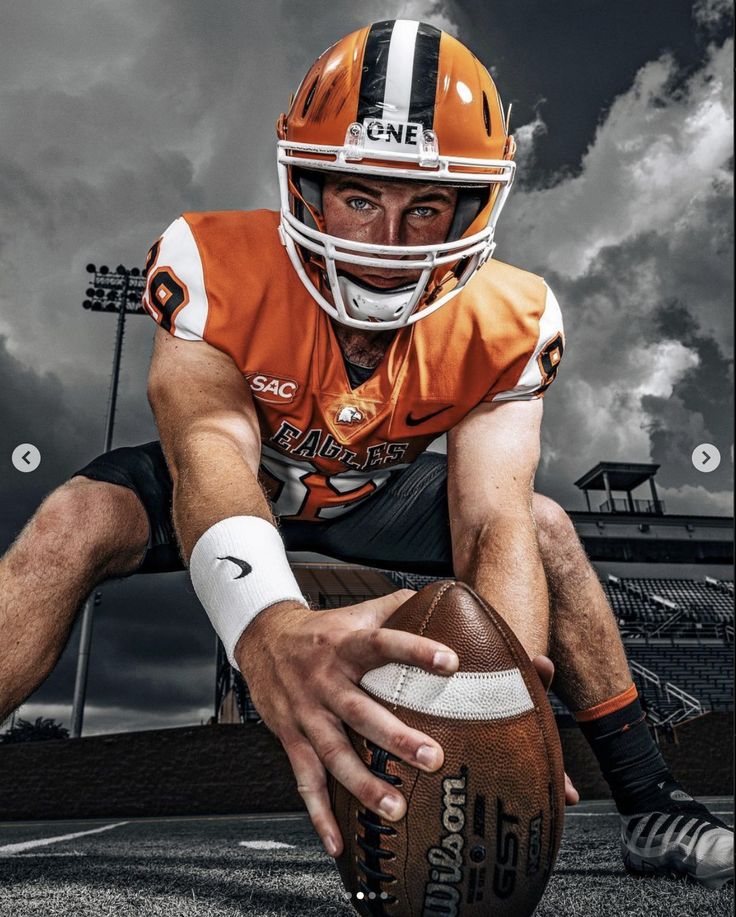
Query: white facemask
(353,304)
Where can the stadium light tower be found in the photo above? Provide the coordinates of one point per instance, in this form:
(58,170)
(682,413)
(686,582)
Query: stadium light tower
(117,291)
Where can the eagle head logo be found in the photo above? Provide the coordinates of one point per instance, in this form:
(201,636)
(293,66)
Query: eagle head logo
(349,414)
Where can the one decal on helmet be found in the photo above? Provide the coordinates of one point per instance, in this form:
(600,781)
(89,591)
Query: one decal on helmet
(396,100)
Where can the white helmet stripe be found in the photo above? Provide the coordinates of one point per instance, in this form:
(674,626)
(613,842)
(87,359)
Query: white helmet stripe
(397,93)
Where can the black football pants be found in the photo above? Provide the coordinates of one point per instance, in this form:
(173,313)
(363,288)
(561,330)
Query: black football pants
(404,526)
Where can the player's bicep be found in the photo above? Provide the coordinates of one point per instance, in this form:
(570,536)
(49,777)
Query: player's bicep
(492,457)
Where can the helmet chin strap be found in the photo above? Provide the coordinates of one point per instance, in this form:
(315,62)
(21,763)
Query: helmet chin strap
(365,302)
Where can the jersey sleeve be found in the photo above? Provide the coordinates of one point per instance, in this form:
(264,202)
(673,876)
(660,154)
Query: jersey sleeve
(175,294)
(532,373)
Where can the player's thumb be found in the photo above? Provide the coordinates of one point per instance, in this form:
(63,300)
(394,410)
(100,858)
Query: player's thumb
(545,669)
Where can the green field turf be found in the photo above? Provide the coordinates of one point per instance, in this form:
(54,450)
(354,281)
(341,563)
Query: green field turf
(198,867)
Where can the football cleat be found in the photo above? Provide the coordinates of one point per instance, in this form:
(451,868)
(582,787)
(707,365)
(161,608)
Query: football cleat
(680,838)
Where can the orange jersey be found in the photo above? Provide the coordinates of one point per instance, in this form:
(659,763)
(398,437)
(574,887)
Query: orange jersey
(226,279)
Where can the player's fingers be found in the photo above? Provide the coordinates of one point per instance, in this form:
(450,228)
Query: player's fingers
(380,726)
(545,669)
(372,648)
(572,797)
(312,786)
(377,611)
(338,756)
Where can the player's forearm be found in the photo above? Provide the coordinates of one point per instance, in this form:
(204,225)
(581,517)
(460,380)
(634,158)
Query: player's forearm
(213,479)
(235,555)
(502,563)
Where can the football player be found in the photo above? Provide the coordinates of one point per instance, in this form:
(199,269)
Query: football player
(303,362)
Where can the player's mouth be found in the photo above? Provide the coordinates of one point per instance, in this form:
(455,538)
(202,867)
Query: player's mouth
(394,280)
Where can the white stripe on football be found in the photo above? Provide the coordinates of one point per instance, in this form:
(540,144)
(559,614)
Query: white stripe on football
(462,696)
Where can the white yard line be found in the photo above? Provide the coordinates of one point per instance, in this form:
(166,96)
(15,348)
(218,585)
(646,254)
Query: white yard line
(46,855)
(10,849)
(265,845)
(156,819)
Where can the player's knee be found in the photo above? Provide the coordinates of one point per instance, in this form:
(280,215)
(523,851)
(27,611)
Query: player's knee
(553,523)
(102,526)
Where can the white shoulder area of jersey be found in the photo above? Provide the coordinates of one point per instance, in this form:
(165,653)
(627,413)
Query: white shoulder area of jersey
(541,368)
(175,291)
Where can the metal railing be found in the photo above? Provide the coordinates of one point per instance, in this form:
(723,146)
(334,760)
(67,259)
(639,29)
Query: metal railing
(668,623)
(690,631)
(645,507)
(723,586)
(689,705)
(685,705)
(643,672)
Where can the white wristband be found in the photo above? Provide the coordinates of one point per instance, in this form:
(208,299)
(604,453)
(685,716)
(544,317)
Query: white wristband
(238,568)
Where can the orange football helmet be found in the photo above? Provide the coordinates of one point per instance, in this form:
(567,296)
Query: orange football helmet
(400,100)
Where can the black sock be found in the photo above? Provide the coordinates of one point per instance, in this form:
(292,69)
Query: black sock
(629,758)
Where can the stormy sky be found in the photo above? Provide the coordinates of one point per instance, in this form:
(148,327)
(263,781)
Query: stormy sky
(115,117)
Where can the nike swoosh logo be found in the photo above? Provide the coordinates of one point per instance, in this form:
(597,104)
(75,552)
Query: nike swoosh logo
(245,567)
(415,421)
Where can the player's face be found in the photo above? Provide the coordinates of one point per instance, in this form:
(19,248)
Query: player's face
(386,213)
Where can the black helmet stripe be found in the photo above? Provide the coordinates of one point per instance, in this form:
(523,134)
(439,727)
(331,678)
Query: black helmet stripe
(424,75)
(400,65)
(375,63)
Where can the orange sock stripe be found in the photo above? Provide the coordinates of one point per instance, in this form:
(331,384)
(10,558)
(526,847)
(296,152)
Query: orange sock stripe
(607,706)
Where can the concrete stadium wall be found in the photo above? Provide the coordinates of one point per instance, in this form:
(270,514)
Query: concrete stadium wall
(196,771)
(209,770)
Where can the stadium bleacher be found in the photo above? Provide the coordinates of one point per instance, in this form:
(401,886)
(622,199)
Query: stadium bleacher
(704,672)
(679,630)
(652,600)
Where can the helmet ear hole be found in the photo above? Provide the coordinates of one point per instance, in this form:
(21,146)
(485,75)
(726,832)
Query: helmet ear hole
(308,202)
(486,114)
(310,185)
(310,97)
(470,202)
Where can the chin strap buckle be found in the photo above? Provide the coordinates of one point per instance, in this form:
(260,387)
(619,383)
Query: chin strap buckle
(354,146)
(429,151)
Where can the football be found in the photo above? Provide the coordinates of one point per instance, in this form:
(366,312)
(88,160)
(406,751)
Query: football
(480,835)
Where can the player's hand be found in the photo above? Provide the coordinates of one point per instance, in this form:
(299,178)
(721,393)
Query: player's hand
(546,671)
(303,670)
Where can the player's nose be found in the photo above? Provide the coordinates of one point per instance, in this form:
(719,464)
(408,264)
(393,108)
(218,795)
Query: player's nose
(392,229)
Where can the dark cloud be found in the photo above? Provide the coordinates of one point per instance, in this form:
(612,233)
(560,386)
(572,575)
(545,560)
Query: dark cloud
(643,380)
(40,407)
(637,247)
(153,654)
(569,60)
(701,402)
